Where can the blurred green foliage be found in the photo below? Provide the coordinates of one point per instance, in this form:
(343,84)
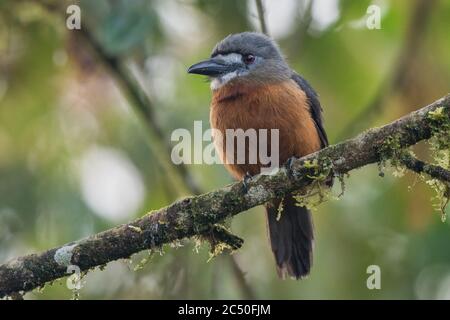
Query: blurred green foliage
(59,108)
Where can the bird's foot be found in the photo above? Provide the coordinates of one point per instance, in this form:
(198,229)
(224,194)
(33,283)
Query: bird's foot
(289,169)
(245,181)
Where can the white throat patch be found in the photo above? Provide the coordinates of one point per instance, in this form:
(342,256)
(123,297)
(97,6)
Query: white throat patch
(230,58)
(216,83)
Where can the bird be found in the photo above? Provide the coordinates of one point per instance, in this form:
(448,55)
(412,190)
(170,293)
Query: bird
(254,87)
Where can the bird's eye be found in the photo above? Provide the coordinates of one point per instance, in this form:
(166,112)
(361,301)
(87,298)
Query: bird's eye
(249,59)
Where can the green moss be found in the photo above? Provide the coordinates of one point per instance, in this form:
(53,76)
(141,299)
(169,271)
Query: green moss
(176,244)
(311,164)
(321,168)
(320,171)
(390,148)
(218,249)
(391,153)
(134,228)
(437,115)
(318,191)
(314,195)
(197,243)
(439,122)
(440,149)
(280,209)
(220,239)
(442,196)
(341,178)
(143,262)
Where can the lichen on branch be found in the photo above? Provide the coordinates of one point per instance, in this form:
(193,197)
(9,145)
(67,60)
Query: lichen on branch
(197,215)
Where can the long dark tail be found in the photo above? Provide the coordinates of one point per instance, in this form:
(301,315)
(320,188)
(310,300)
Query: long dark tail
(291,237)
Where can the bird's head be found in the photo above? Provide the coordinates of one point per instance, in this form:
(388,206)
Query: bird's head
(248,57)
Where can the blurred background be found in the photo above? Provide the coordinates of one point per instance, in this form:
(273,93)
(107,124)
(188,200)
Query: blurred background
(86,117)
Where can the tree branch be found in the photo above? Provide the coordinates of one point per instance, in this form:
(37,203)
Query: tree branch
(261,16)
(196,215)
(420,166)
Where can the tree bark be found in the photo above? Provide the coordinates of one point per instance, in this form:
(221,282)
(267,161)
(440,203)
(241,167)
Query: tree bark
(198,214)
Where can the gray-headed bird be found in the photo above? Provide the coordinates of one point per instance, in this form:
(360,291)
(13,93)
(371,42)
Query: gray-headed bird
(253,87)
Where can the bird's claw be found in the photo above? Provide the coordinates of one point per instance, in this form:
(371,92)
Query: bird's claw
(245,181)
(290,171)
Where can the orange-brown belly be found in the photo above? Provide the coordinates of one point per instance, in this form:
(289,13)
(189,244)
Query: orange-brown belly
(281,106)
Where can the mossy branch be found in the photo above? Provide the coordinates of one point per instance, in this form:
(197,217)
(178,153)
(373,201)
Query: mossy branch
(197,215)
(419,166)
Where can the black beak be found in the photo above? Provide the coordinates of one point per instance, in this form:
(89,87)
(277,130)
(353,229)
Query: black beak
(211,67)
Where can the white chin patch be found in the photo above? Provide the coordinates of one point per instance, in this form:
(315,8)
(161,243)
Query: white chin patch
(216,83)
(230,58)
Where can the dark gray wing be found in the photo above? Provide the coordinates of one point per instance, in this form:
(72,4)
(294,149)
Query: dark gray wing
(314,106)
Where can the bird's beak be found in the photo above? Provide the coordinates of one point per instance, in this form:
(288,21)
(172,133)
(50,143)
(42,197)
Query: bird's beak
(211,67)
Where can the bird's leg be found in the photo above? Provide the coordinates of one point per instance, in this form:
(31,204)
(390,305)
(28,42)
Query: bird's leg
(245,181)
(289,163)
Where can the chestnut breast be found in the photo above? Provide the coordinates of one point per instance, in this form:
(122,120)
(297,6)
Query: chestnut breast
(281,106)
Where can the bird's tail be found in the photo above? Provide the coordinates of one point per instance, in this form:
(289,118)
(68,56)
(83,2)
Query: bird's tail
(291,236)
